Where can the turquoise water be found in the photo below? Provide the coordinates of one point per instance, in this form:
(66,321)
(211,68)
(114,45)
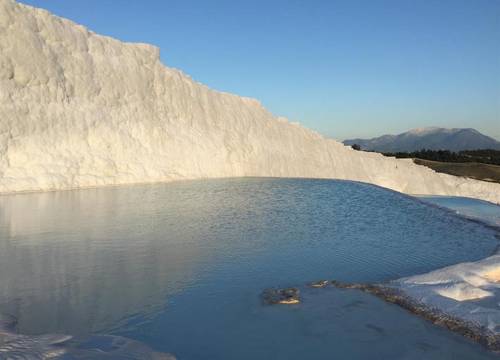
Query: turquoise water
(179,267)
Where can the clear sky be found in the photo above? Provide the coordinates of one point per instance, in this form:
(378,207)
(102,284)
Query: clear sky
(346,68)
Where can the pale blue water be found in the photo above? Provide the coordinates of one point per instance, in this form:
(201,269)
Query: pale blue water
(470,208)
(179,267)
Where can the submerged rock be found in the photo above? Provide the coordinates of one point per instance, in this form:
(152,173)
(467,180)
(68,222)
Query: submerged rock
(281,296)
(49,346)
(319,284)
(114,347)
(18,346)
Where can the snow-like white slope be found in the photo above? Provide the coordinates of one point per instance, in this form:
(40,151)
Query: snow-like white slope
(78,109)
(468,291)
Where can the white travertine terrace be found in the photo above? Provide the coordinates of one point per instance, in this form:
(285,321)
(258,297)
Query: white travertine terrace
(81,110)
(468,291)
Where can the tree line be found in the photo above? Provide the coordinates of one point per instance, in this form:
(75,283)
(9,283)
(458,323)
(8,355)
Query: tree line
(485,156)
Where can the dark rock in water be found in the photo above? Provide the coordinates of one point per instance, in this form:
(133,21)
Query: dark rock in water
(341,285)
(281,296)
(396,296)
(319,284)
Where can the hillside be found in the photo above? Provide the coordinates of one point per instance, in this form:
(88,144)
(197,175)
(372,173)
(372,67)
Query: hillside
(474,170)
(80,110)
(431,138)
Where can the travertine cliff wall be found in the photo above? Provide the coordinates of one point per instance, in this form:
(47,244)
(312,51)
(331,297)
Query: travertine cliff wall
(78,110)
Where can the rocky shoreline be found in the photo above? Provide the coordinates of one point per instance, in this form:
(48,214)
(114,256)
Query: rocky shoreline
(469,329)
(475,332)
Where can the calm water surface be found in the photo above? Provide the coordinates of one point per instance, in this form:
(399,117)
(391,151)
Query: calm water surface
(180,267)
(470,208)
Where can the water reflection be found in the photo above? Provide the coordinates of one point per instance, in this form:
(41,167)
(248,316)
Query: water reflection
(82,261)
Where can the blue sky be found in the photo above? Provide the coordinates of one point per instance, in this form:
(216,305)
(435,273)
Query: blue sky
(345,68)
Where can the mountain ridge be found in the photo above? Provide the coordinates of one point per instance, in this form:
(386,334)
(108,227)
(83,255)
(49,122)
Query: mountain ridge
(430,138)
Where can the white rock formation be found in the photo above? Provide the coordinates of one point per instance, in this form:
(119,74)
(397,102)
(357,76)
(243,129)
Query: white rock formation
(80,110)
(468,291)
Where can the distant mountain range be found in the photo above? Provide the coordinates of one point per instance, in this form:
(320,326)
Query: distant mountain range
(432,138)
